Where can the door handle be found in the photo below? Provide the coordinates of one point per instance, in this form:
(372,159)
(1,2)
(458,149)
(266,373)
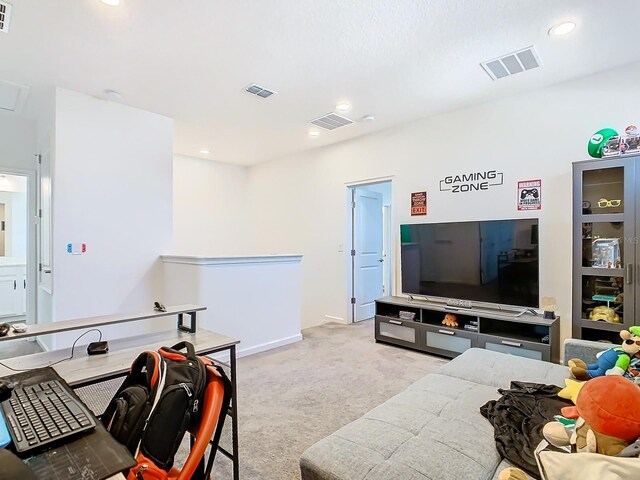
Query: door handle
(14,284)
(629,273)
(513,344)
(395,322)
(381,260)
(447,332)
(25,283)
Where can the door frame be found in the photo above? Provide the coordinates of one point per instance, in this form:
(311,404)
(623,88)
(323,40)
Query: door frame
(350,238)
(32,225)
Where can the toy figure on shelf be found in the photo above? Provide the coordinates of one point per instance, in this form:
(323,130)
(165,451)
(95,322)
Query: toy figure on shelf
(450,320)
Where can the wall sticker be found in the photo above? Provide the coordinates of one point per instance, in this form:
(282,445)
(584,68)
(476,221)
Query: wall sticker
(471,182)
(530,195)
(419,203)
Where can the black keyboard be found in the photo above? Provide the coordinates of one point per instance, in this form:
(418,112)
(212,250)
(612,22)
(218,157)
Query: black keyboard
(46,412)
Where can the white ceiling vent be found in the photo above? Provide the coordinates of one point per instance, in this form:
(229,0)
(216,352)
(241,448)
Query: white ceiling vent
(516,62)
(5,16)
(331,121)
(259,91)
(13,96)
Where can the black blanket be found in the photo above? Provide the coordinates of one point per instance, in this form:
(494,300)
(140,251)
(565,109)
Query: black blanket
(518,418)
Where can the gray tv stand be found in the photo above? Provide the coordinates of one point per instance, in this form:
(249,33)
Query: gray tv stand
(517,333)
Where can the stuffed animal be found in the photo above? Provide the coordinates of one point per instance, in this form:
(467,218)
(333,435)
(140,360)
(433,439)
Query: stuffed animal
(450,320)
(607,422)
(613,361)
(607,419)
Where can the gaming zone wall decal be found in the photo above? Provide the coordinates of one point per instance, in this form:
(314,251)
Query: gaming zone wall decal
(471,182)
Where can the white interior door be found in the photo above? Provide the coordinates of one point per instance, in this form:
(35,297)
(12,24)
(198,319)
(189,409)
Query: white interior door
(368,258)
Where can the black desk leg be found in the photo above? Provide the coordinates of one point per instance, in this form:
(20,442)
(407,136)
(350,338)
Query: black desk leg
(234,414)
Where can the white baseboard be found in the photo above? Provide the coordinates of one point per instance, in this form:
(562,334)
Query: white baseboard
(259,348)
(331,318)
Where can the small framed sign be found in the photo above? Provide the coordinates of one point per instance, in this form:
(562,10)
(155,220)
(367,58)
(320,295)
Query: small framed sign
(530,195)
(419,203)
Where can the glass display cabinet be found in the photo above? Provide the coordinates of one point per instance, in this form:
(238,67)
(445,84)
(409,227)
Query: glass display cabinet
(605,247)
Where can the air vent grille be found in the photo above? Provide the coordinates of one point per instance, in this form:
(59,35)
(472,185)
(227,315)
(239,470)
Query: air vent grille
(516,62)
(331,121)
(13,96)
(5,16)
(259,91)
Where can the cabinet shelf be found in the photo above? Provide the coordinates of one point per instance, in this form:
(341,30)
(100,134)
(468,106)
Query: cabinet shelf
(598,325)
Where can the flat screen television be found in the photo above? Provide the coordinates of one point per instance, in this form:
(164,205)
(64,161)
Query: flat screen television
(494,261)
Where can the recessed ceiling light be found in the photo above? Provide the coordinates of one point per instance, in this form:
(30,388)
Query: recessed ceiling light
(314,133)
(343,107)
(204,151)
(562,29)
(111,3)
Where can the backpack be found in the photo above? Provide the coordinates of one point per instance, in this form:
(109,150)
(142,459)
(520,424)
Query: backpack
(157,403)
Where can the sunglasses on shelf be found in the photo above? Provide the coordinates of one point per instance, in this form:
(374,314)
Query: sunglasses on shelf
(604,203)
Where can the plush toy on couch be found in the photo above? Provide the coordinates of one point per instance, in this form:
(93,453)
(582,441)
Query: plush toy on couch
(607,422)
(613,361)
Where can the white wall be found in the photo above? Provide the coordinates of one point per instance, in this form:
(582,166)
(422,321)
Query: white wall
(209,208)
(299,200)
(112,189)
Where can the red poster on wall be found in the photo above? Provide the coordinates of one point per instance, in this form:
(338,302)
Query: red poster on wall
(419,203)
(530,195)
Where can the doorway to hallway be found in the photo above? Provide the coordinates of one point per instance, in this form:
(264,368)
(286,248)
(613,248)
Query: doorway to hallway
(14,248)
(370,252)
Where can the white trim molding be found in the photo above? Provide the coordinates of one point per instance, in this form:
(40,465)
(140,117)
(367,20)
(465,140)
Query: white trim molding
(231,260)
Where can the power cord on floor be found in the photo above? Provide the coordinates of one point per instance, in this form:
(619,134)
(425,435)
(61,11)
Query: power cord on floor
(57,361)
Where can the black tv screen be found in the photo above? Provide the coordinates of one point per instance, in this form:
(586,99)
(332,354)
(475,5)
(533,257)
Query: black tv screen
(493,261)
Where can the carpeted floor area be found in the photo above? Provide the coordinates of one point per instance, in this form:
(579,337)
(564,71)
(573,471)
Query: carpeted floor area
(293,396)
(17,348)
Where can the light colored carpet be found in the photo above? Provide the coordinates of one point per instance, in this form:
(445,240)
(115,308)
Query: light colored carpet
(17,348)
(291,397)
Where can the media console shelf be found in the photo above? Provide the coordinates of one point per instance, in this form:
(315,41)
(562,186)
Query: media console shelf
(526,335)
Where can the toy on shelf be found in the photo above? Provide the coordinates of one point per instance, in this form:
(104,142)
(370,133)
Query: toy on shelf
(450,320)
(606,252)
(598,140)
(607,314)
(608,143)
(613,361)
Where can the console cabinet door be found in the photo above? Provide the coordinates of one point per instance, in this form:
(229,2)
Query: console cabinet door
(520,348)
(399,332)
(448,341)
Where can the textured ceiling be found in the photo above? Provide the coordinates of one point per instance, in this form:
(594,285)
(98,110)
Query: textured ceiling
(397,59)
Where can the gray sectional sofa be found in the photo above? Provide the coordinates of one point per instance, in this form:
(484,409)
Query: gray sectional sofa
(434,430)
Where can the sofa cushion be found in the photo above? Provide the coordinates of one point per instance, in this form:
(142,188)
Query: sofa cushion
(490,368)
(432,431)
